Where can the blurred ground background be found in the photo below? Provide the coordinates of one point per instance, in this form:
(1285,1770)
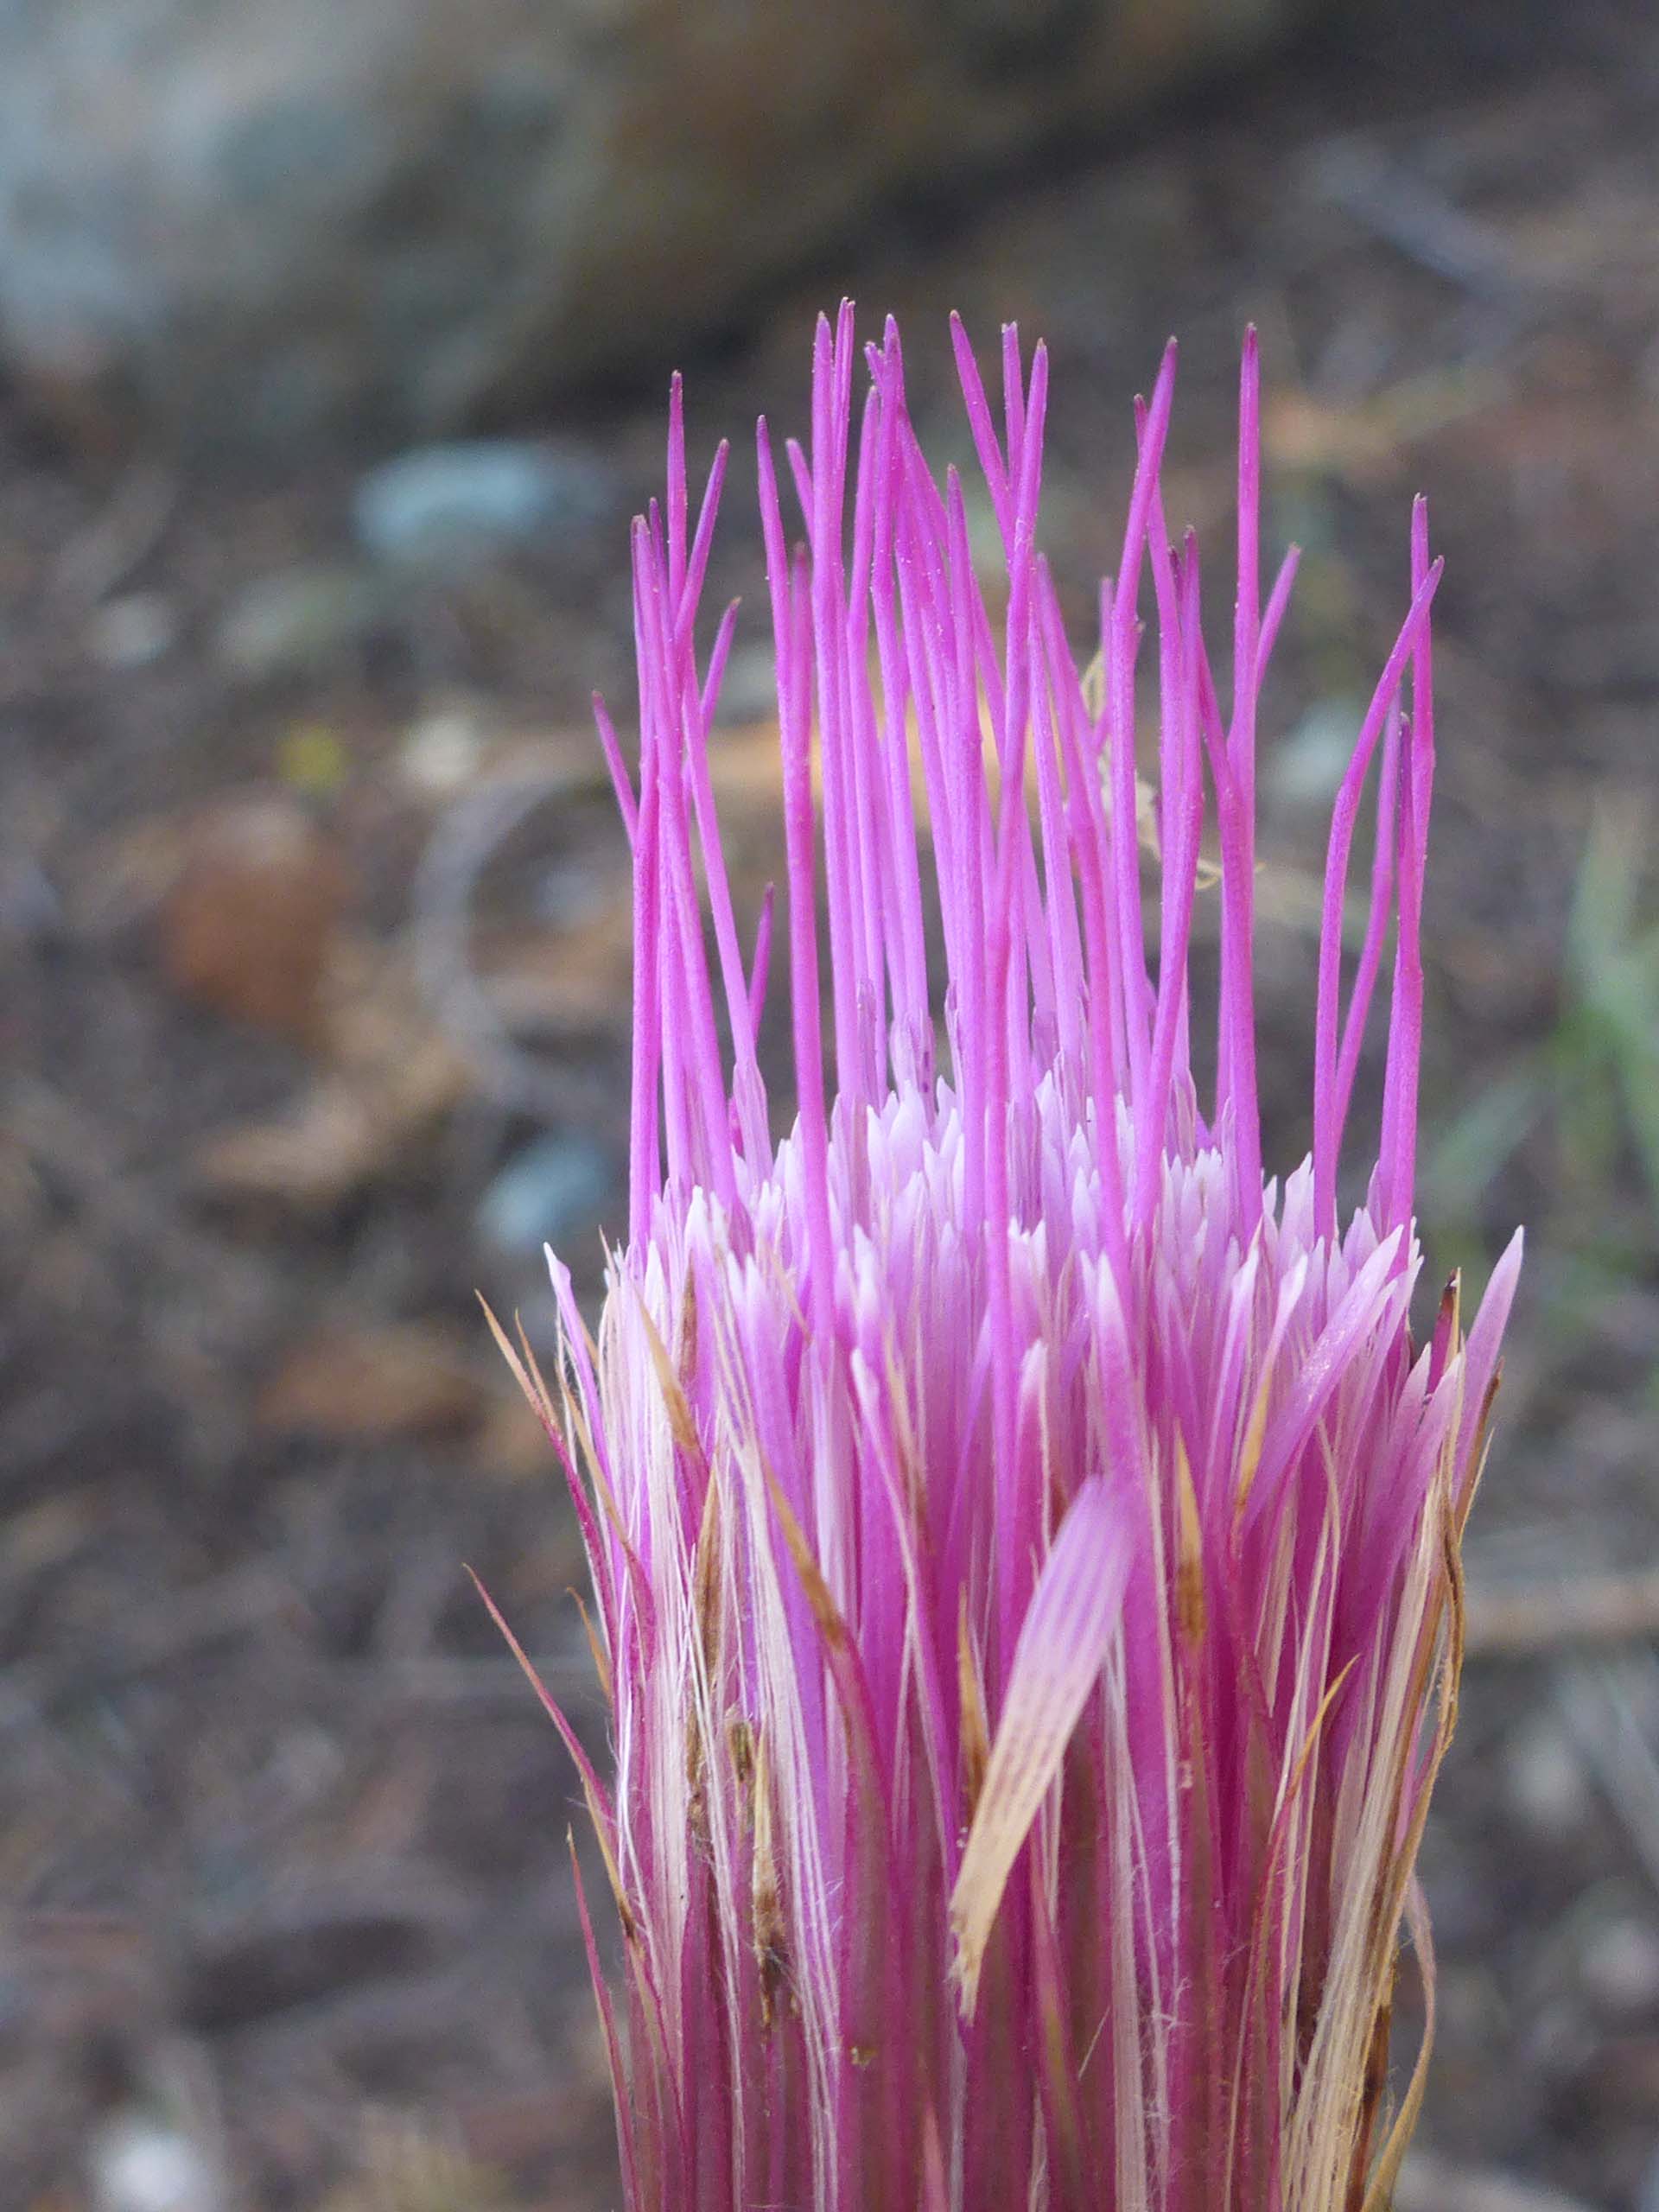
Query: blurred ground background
(315,976)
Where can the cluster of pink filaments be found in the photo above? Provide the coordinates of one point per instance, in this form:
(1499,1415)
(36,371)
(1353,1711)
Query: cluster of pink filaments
(1024,1545)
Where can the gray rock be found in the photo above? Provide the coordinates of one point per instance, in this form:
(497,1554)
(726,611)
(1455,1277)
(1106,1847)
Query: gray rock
(133,630)
(140,2160)
(1545,1782)
(1618,1965)
(446,508)
(295,621)
(248,222)
(749,693)
(553,1185)
(1307,765)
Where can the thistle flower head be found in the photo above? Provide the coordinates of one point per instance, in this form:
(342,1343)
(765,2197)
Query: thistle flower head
(1024,1543)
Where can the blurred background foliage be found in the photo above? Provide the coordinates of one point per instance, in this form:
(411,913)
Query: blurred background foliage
(333,348)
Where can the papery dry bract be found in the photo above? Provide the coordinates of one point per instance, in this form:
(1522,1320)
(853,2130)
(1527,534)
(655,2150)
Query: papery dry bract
(1025,1546)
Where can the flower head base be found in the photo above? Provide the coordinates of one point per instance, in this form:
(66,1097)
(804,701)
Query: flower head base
(1024,1545)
